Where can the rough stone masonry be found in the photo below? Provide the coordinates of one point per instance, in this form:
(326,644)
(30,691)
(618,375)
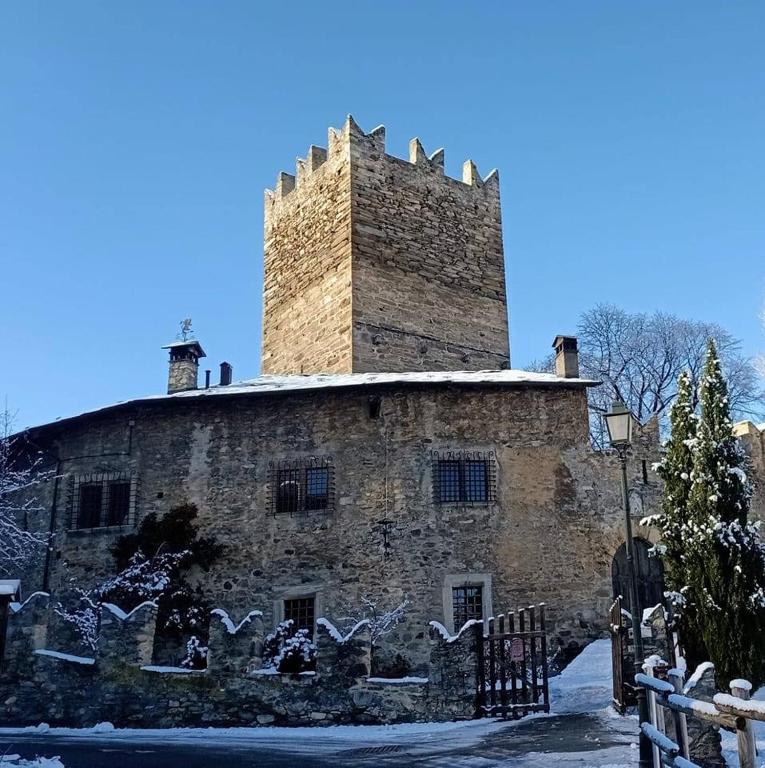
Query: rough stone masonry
(374,263)
(412,464)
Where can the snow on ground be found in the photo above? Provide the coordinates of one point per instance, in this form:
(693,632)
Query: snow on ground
(12,761)
(464,731)
(580,731)
(730,752)
(585,684)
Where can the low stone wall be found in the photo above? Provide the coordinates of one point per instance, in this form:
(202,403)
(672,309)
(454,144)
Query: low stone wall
(119,684)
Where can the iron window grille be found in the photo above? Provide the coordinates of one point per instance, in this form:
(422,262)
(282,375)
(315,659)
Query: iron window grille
(467,604)
(302,612)
(102,500)
(300,486)
(464,477)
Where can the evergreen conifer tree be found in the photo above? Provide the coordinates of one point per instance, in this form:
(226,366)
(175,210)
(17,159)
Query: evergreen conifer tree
(723,557)
(675,470)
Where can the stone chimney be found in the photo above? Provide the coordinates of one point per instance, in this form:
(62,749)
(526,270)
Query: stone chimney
(184,365)
(566,357)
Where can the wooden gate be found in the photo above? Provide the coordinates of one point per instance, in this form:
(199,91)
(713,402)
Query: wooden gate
(512,664)
(624,694)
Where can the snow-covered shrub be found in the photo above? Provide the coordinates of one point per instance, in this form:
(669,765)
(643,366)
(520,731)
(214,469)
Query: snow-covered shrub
(153,565)
(289,650)
(85,619)
(196,654)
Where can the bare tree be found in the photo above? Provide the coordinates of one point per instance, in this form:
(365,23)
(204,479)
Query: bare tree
(639,357)
(21,472)
(381,621)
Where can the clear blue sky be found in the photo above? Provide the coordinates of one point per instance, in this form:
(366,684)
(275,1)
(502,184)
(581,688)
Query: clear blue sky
(136,139)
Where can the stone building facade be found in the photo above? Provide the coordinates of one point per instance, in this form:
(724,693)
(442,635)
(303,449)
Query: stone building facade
(387,452)
(546,531)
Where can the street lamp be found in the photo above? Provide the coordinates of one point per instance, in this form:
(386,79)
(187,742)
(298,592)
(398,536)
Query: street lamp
(619,425)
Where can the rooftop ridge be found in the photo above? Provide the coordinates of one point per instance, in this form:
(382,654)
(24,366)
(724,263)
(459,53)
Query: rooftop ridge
(297,382)
(373,141)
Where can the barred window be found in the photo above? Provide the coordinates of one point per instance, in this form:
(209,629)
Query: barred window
(91,499)
(302,611)
(464,477)
(467,604)
(102,500)
(301,485)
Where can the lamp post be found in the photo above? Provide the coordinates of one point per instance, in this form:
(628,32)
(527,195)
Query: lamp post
(619,425)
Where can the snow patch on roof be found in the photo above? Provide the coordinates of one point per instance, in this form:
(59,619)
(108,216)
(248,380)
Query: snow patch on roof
(172,670)
(16,607)
(336,634)
(269,384)
(227,622)
(9,587)
(298,382)
(123,615)
(65,656)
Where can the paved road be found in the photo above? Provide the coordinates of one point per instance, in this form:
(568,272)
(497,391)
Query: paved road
(565,740)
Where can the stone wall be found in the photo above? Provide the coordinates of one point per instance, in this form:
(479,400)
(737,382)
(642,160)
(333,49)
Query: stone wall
(117,685)
(549,536)
(307,260)
(752,439)
(373,263)
(428,264)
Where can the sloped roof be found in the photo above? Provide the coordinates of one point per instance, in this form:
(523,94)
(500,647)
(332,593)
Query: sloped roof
(269,384)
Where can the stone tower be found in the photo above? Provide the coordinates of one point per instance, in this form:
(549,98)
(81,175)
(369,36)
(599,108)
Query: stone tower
(373,263)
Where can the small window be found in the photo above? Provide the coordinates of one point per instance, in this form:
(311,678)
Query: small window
(449,476)
(287,493)
(101,500)
(301,610)
(467,604)
(300,486)
(317,488)
(464,477)
(119,502)
(91,497)
(475,480)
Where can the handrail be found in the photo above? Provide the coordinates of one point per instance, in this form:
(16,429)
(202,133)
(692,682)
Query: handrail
(734,710)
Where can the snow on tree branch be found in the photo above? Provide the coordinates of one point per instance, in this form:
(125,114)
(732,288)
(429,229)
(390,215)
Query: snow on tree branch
(381,621)
(22,470)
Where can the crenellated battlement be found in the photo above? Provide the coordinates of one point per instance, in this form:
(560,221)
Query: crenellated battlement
(339,142)
(357,241)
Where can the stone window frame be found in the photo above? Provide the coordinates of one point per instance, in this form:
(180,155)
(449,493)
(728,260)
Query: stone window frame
(105,480)
(471,579)
(303,591)
(463,456)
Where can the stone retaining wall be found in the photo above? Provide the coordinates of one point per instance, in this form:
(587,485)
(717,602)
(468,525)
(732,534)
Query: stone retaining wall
(118,684)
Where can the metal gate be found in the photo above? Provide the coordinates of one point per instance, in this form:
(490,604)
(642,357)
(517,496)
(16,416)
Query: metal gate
(624,694)
(512,664)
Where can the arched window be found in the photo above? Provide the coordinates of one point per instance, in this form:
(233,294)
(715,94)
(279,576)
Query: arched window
(649,571)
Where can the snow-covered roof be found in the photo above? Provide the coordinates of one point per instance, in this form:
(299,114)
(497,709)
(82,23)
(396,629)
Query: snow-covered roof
(269,384)
(10,587)
(296,382)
